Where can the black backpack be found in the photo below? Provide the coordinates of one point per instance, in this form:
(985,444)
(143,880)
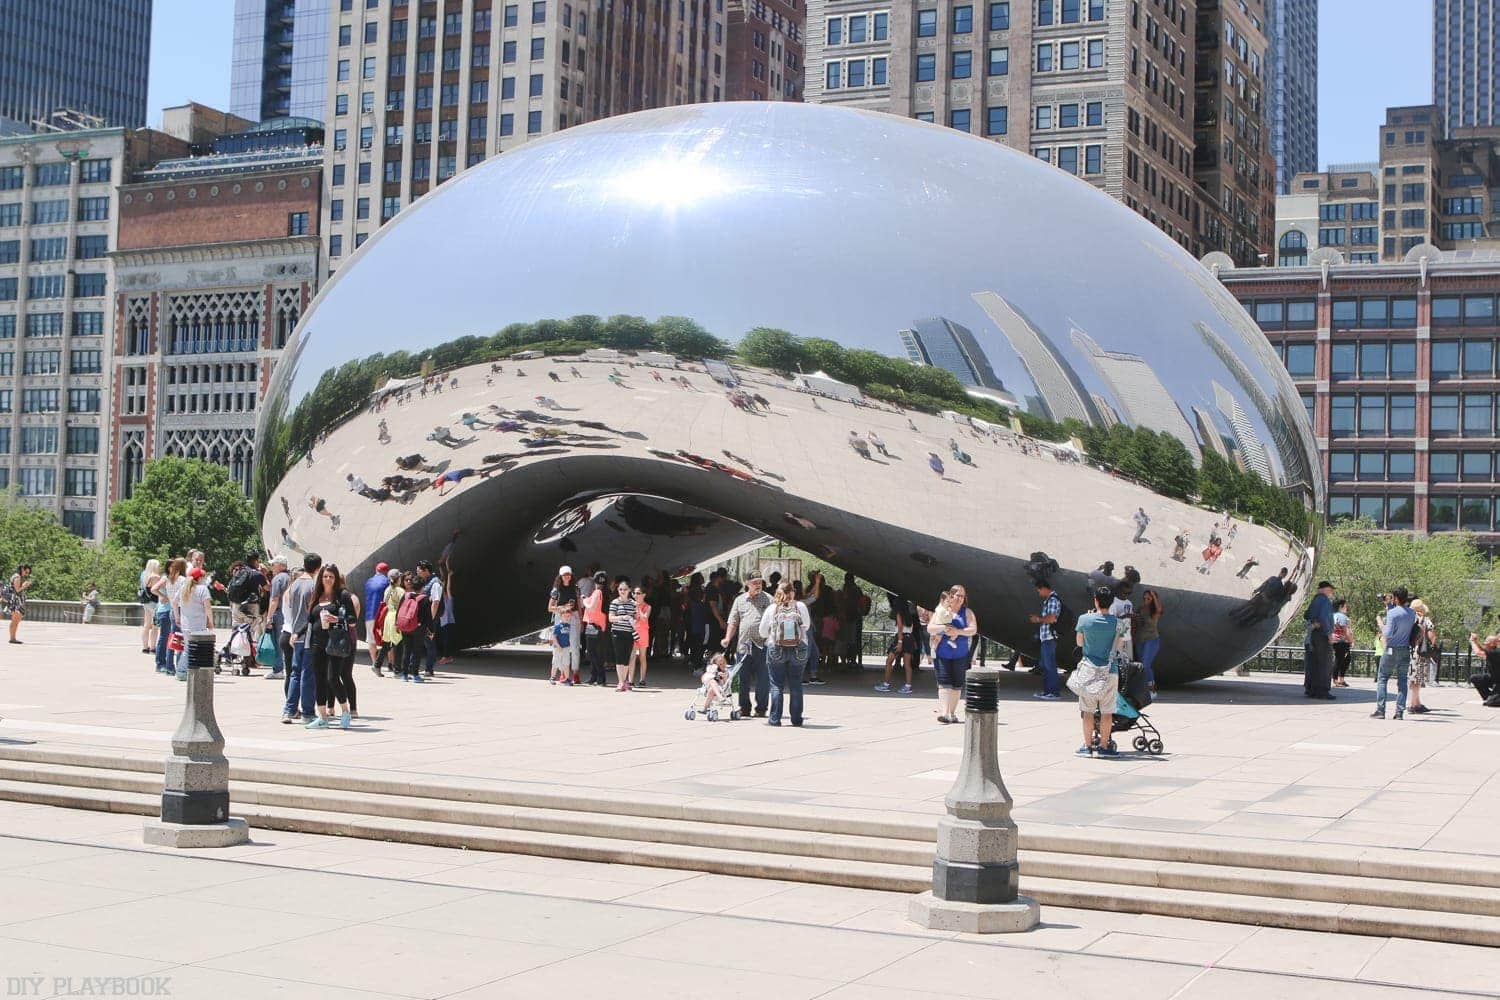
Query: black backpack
(239,585)
(1066,626)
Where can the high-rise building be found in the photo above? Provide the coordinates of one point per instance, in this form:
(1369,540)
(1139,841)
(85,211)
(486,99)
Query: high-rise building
(1232,160)
(83,55)
(419,92)
(217,258)
(1339,207)
(1396,366)
(952,347)
(1466,62)
(763,50)
(1139,398)
(1104,89)
(279,67)
(1292,37)
(1249,452)
(1209,434)
(1060,394)
(59,206)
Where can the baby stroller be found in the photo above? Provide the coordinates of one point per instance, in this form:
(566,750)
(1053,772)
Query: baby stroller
(238,652)
(1130,703)
(725,704)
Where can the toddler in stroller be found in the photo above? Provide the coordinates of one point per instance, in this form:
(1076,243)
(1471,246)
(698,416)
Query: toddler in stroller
(715,695)
(1130,703)
(239,650)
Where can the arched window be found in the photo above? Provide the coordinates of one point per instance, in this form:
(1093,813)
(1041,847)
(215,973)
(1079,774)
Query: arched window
(135,466)
(1292,249)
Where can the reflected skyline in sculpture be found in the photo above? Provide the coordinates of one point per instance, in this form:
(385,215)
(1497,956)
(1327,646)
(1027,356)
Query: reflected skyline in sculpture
(664,456)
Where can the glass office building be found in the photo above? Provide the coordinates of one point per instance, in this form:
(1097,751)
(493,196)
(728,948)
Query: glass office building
(1292,34)
(85,55)
(280,62)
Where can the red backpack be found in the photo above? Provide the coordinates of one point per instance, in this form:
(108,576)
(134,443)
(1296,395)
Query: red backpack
(409,615)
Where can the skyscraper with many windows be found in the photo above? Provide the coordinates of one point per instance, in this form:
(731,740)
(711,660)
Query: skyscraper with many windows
(1292,49)
(419,92)
(280,61)
(1465,50)
(84,55)
(950,346)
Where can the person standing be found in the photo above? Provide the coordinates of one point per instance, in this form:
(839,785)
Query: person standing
(1343,642)
(90,601)
(1046,623)
(1097,634)
(146,598)
(331,616)
(275,615)
(432,600)
(14,598)
(385,623)
(375,588)
(447,631)
(1317,654)
(193,607)
(301,686)
(786,628)
(640,649)
(1396,659)
(596,629)
(1424,657)
(622,619)
(951,654)
(168,586)
(1147,631)
(562,604)
(744,626)
(903,645)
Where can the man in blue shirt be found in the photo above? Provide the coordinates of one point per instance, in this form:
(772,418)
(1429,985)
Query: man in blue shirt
(1399,620)
(1317,653)
(375,588)
(1096,637)
(1046,623)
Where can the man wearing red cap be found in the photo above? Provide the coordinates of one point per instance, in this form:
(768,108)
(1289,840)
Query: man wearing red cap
(375,588)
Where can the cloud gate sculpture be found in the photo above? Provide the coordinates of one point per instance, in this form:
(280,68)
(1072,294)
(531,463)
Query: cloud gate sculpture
(528,354)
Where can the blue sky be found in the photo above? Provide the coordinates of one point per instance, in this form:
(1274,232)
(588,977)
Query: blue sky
(1372,54)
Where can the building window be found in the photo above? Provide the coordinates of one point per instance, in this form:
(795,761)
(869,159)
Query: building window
(997,120)
(1044,117)
(533,122)
(538,48)
(882,27)
(1071,12)
(926,67)
(1000,60)
(1068,55)
(1067,158)
(88,286)
(1093,160)
(857,25)
(79,482)
(1044,58)
(963,20)
(958,118)
(999,16)
(52,174)
(877,71)
(45,286)
(507,124)
(927,23)
(389,206)
(508,52)
(336,245)
(48,212)
(856,71)
(1044,12)
(37,482)
(1067,116)
(963,65)
(1096,53)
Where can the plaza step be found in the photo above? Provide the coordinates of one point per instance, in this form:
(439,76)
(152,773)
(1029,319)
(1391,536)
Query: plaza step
(1392,893)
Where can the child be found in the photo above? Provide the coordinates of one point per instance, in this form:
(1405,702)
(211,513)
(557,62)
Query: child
(560,637)
(942,615)
(715,679)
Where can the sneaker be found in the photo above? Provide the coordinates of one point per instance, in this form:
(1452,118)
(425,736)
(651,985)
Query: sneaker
(1420,710)
(344,721)
(567,683)
(287,719)
(906,689)
(274,675)
(817,681)
(429,672)
(883,688)
(1399,714)
(1108,751)
(1044,696)
(318,723)
(418,679)
(1379,713)
(377,672)
(1084,751)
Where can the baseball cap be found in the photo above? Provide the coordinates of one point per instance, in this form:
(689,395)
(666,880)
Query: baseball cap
(381,567)
(565,571)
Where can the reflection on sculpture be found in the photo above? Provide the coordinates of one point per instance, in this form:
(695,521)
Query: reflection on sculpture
(457,371)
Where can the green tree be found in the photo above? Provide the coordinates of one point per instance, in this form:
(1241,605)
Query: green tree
(768,347)
(628,332)
(1441,569)
(183,504)
(687,338)
(61,562)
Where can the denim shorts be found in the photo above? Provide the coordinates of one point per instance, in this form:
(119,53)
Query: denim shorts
(950,672)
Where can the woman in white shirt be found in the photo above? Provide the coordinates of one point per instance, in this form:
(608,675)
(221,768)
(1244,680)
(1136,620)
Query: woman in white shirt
(194,608)
(787,628)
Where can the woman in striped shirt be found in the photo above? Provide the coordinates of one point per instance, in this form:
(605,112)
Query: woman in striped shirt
(622,623)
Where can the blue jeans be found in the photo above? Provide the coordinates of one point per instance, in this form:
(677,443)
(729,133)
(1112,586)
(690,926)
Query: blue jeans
(812,657)
(786,665)
(429,647)
(1397,660)
(1050,683)
(753,673)
(164,632)
(302,685)
(275,633)
(1148,653)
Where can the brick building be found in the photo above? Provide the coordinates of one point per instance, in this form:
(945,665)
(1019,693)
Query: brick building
(217,259)
(1396,365)
(763,50)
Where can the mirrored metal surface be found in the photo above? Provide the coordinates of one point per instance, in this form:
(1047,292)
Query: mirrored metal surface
(868,230)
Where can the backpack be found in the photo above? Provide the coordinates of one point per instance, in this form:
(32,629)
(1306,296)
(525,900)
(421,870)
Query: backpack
(786,628)
(409,614)
(239,585)
(1424,643)
(1066,626)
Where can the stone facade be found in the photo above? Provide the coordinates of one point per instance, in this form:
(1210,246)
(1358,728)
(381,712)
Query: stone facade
(763,51)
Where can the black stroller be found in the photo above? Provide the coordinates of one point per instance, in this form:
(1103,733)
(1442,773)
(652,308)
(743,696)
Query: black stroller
(238,661)
(1130,704)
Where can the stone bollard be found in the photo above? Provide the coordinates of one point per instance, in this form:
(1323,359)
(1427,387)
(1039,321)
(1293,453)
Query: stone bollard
(974,878)
(195,794)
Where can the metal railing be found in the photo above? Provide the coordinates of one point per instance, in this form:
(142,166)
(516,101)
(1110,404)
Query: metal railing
(109,613)
(1454,667)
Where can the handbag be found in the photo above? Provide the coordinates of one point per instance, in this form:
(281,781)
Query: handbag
(265,651)
(340,642)
(1088,678)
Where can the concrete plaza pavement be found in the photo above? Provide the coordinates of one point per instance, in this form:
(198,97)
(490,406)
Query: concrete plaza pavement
(304,917)
(1245,757)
